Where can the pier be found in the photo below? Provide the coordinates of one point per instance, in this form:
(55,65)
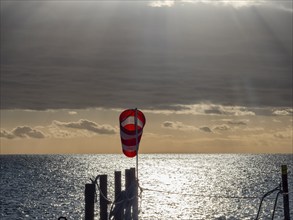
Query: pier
(124,206)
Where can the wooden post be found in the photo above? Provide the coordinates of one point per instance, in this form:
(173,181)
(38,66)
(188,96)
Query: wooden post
(135,194)
(119,214)
(127,178)
(127,185)
(103,198)
(90,190)
(285,192)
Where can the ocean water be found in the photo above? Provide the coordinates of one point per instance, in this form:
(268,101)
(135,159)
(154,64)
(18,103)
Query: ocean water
(176,186)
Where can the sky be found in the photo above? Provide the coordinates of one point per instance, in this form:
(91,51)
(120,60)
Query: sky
(210,76)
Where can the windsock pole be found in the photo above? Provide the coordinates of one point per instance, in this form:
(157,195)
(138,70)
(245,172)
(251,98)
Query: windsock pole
(136,142)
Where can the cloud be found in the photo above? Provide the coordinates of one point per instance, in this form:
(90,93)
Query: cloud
(56,132)
(281,5)
(233,3)
(159,4)
(87,125)
(205,129)
(231,125)
(215,128)
(222,127)
(236,122)
(213,109)
(254,129)
(25,131)
(283,112)
(81,128)
(178,126)
(22,132)
(286,134)
(6,134)
(169,124)
(72,113)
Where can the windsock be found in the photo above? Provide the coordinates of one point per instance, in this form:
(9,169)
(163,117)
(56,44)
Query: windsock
(132,122)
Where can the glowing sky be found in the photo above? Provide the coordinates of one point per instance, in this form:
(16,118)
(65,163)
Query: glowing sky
(210,76)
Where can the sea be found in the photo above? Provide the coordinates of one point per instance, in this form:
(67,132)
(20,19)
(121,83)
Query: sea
(174,186)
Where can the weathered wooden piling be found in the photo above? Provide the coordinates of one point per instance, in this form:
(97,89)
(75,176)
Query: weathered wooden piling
(285,192)
(126,202)
(134,194)
(103,198)
(117,174)
(127,211)
(90,190)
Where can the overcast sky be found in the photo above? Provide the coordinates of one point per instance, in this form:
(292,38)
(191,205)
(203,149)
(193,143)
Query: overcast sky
(178,58)
(75,54)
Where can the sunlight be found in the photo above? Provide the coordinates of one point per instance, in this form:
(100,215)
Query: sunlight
(235,4)
(159,4)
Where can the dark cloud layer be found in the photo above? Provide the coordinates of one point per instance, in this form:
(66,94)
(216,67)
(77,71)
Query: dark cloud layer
(97,54)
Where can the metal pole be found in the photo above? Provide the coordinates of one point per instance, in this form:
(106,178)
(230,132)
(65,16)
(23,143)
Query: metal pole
(136,141)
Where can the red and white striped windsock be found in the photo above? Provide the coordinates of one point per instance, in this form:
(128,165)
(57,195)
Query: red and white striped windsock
(130,133)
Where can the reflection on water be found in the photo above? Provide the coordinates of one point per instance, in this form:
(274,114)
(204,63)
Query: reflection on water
(176,186)
(202,180)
